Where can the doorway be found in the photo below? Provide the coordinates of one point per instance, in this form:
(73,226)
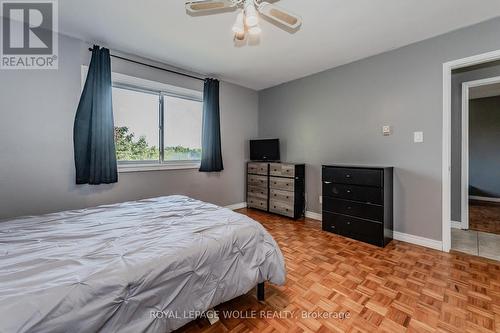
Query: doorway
(448,68)
(479,229)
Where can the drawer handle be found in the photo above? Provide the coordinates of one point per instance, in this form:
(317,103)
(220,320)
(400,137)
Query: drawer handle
(332,227)
(275,195)
(325,182)
(348,176)
(348,191)
(274,206)
(349,223)
(287,197)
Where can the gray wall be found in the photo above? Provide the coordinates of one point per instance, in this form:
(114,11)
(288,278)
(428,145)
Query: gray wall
(336,117)
(37,110)
(458,77)
(484,147)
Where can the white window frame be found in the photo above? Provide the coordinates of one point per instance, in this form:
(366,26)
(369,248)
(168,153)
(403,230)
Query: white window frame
(142,85)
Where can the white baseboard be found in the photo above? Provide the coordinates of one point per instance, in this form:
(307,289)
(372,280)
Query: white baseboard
(417,240)
(237,206)
(456,225)
(313,215)
(474,197)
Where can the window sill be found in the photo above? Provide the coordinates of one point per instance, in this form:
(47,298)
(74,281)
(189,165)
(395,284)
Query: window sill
(124,168)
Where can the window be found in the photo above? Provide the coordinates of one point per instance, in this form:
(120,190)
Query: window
(182,134)
(156,129)
(136,115)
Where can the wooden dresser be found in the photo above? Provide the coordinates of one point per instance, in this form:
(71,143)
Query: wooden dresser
(276,187)
(358,202)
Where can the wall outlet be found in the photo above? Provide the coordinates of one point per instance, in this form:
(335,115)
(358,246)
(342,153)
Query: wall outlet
(418,137)
(386,130)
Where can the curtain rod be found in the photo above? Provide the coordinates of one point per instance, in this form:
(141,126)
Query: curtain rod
(155,67)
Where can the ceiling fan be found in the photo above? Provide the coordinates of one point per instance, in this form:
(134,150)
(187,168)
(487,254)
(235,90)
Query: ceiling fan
(247,20)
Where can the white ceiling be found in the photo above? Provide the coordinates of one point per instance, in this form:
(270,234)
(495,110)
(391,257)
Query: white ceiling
(334,32)
(489,90)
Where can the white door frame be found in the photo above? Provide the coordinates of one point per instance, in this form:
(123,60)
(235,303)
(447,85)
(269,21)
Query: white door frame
(465,144)
(446,158)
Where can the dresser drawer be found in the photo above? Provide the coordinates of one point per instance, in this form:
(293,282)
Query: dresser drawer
(359,229)
(257,168)
(258,192)
(254,202)
(286,184)
(283,196)
(365,194)
(282,170)
(367,177)
(280,207)
(354,208)
(255,180)
(330,223)
(363,230)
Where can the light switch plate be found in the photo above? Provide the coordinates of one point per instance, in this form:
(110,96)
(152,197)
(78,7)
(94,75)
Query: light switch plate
(386,130)
(418,137)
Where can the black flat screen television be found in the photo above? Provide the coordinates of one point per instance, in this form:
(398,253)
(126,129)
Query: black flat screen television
(265,150)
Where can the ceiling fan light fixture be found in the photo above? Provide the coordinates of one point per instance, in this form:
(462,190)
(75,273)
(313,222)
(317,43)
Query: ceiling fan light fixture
(239,24)
(239,36)
(255,30)
(251,16)
(248,17)
(280,15)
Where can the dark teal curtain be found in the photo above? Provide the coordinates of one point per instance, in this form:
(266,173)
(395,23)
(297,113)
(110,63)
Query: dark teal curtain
(211,151)
(93,131)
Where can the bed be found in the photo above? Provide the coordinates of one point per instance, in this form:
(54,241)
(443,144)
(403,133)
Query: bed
(141,266)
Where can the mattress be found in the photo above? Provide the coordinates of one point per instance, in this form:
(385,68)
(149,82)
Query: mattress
(142,266)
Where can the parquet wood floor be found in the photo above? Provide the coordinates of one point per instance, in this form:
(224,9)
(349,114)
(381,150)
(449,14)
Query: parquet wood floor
(484,216)
(401,288)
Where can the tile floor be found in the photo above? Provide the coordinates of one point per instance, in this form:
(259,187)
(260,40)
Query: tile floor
(476,243)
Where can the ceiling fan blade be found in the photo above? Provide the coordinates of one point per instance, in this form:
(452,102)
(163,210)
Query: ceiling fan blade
(280,15)
(198,6)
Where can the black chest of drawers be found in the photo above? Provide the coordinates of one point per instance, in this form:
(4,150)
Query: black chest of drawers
(358,202)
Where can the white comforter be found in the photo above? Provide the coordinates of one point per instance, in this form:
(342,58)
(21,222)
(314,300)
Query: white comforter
(112,268)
